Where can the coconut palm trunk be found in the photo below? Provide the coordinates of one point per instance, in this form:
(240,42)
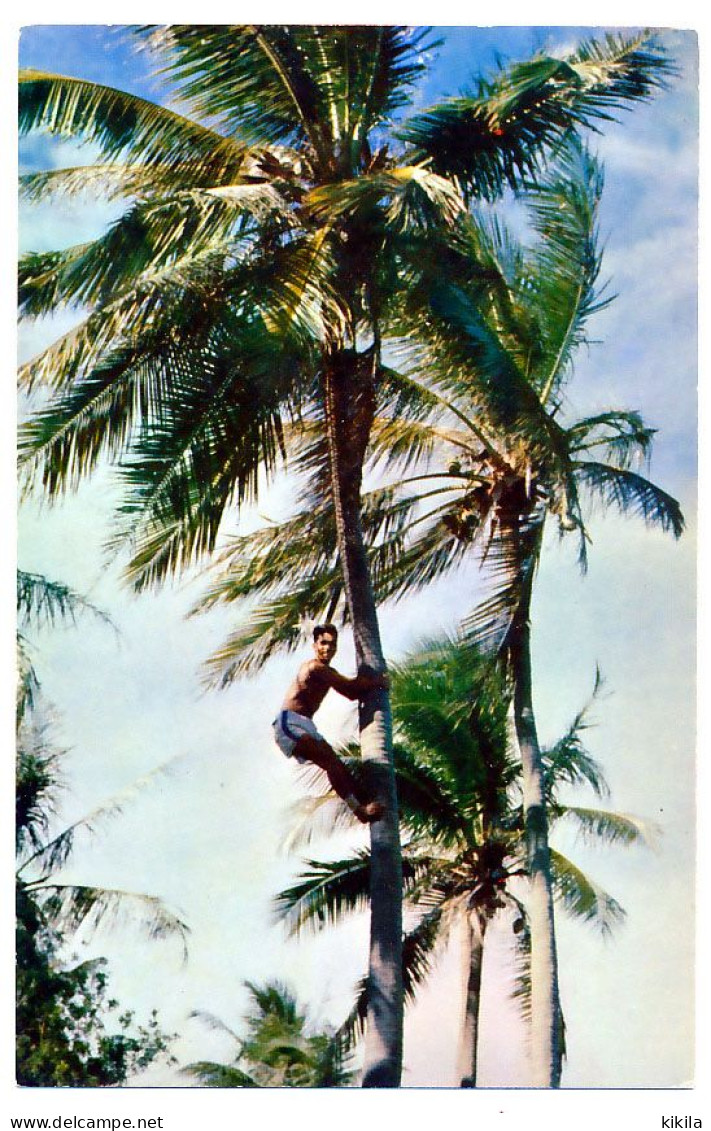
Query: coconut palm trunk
(350,401)
(545,1001)
(474,927)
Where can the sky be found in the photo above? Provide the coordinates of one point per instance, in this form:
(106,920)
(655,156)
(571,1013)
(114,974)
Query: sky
(206,835)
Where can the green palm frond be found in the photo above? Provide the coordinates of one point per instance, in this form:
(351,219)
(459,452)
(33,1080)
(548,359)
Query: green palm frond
(37,779)
(216,1024)
(496,136)
(325,893)
(406,198)
(631,494)
(107,181)
(27,681)
(122,125)
(151,237)
(600,826)
(568,762)
(70,907)
(565,265)
(419,948)
(41,601)
(511,560)
(581,897)
(213,1075)
(622,436)
(276,625)
(321,87)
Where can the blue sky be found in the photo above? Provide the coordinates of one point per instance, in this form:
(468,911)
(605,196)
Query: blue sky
(207,837)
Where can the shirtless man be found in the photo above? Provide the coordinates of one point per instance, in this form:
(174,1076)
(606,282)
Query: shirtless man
(295,733)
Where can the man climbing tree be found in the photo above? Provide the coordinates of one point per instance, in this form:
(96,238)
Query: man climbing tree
(295,732)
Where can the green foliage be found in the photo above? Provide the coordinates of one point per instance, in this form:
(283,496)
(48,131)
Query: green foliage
(281,1049)
(283,227)
(70,1033)
(459,794)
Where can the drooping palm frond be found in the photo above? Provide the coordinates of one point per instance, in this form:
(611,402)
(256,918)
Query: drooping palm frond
(581,897)
(631,494)
(497,135)
(419,950)
(50,855)
(327,891)
(151,237)
(622,436)
(568,762)
(27,681)
(43,601)
(70,907)
(37,778)
(601,826)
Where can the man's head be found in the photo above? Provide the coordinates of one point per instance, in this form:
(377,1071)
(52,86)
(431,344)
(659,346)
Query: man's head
(325,642)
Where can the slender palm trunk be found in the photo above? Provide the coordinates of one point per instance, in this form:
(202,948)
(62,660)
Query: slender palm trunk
(473,931)
(545,1004)
(349,413)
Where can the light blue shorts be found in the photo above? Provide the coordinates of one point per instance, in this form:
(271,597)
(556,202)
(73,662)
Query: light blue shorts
(288,729)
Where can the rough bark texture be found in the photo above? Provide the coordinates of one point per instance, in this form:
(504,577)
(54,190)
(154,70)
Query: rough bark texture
(350,401)
(473,929)
(545,1003)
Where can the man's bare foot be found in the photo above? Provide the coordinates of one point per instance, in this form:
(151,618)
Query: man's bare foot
(369,812)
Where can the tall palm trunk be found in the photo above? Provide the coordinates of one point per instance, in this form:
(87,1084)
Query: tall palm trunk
(545,1002)
(350,401)
(473,931)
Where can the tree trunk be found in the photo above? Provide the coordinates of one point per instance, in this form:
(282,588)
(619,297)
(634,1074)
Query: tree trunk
(350,401)
(545,1003)
(473,930)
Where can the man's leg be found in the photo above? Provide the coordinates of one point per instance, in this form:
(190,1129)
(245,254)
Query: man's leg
(340,777)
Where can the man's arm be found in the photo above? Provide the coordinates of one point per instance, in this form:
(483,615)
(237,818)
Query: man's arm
(357,687)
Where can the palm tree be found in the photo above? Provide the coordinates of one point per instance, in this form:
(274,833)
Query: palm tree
(461,806)
(60,1011)
(495,327)
(281,1049)
(41,849)
(246,286)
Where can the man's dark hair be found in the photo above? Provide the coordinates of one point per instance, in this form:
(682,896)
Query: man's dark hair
(320,629)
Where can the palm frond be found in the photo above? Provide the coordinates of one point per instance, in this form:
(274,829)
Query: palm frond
(27,681)
(122,125)
(70,907)
(631,494)
(622,436)
(601,826)
(216,1024)
(406,198)
(581,897)
(43,601)
(213,1075)
(564,268)
(325,893)
(497,136)
(53,854)
(568,761)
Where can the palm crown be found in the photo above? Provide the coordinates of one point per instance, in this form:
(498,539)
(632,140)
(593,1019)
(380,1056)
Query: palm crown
(250,241)
(460,800)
